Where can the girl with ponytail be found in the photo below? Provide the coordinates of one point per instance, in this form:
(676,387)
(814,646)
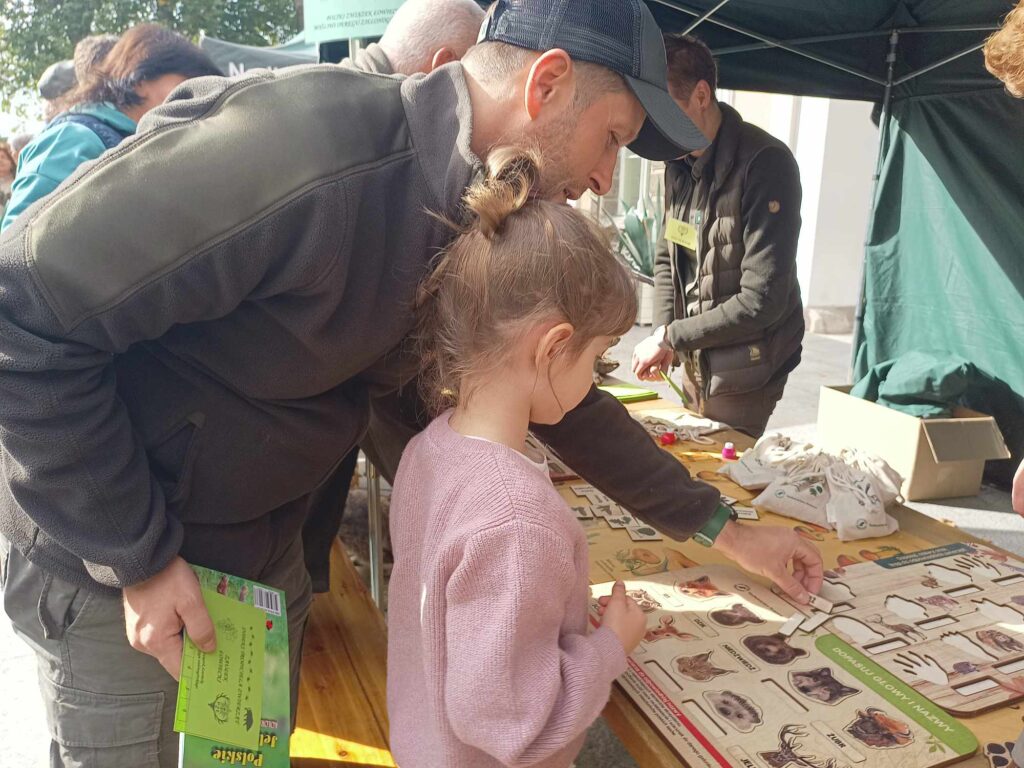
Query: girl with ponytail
(490,662)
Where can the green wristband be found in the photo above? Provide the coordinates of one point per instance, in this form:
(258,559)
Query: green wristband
(706,536)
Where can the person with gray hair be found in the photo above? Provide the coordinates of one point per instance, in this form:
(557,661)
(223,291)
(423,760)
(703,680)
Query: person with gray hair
(55,85)
(421,36)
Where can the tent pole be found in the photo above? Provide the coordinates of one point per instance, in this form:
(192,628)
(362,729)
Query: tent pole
(883,140)
(854,36)
(704,18)
(937,64)
(772,42)
(883,135)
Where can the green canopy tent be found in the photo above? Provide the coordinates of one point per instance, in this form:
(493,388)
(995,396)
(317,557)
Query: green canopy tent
(944,257)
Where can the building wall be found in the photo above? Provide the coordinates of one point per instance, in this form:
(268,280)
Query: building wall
(835,145)
(843,207)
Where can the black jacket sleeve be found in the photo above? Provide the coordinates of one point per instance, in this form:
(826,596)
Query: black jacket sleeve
(598,439)
(664,287)
(601,441)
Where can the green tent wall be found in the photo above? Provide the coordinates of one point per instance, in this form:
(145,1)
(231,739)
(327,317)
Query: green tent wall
(944,262)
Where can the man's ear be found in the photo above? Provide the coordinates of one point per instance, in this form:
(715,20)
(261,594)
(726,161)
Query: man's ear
(552,343)
(442,56)
(551,80)
(703,93)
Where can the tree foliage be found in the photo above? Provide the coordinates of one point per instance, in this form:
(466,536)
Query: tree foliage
(36,33)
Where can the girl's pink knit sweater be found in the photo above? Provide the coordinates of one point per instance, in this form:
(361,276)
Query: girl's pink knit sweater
(489,659)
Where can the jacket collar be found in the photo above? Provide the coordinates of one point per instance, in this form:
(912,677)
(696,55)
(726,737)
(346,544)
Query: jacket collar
(108,113)
(721,152)
(440,117)
(726,143)
(373,59)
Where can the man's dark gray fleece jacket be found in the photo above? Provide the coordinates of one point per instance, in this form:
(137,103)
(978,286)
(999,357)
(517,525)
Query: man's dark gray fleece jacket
(191,327)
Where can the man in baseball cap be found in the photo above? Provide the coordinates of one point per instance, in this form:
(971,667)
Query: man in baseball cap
(621,35)
(209,354)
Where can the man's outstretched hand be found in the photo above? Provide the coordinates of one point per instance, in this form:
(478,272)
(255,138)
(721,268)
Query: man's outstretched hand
(156,610)
(770,551)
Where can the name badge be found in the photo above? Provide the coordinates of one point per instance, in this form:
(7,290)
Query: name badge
(681,233)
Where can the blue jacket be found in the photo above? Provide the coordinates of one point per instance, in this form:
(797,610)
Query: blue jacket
(56,152)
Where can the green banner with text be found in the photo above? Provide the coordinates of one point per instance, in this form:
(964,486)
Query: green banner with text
(327,20)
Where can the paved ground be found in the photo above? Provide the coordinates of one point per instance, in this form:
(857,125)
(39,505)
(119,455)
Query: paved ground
(826,361)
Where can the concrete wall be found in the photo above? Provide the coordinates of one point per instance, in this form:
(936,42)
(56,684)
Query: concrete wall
(834,247)
(835,145)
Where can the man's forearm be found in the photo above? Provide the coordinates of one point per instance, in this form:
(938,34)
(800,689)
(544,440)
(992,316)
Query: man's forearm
(601,441)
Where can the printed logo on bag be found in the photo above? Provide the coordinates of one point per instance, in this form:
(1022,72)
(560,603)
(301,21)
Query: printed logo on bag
(755,353)
(774,206)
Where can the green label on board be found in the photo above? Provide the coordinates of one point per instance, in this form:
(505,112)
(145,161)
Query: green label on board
(901,695)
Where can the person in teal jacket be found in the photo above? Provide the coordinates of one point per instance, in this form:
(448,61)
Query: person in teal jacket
(138,73)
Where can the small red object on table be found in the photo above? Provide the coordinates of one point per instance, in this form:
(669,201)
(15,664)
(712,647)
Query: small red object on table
(667,438)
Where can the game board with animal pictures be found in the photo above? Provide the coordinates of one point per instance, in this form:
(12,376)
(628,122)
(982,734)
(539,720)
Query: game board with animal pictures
(949,620)
(720,679)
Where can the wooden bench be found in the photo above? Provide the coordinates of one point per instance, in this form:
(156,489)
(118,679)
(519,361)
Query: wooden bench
(343,719)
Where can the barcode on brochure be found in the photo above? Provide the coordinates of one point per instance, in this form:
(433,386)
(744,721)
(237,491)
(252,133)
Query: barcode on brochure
(267,600)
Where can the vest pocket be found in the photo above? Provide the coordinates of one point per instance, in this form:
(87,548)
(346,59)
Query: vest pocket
(736,369)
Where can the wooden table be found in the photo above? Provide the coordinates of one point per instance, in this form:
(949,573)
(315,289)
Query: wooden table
(342,713)
(917,532)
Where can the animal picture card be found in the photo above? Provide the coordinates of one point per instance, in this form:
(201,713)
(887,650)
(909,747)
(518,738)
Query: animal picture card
(723,685)
(949,620)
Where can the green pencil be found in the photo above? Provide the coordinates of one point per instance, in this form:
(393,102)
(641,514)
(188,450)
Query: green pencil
(675,388)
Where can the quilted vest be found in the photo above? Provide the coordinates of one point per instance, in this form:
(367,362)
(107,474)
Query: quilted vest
(736,146)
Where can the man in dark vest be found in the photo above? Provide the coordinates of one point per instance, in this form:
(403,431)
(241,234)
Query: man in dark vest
(727,302)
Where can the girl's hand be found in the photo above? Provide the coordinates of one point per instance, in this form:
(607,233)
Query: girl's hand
(623,616)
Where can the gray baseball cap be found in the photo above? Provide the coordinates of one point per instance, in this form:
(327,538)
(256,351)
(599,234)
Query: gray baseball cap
(619,34)
(57,79)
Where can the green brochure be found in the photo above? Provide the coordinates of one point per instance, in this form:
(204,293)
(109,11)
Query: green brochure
(274,714)
(220,693)
(628,393)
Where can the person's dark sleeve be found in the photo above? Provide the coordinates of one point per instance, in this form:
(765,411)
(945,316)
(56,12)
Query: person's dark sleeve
(664,289)
(613,452)
(111,259)
(771,227)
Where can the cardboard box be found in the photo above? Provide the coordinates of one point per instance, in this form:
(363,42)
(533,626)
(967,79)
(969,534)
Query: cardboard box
(938,458)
